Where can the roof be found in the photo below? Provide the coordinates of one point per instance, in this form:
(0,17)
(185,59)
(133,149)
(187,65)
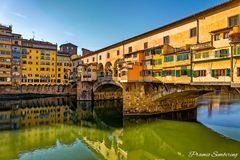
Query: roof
(67,44)
(222,30)
(37,42)
(6,27)
(190,18)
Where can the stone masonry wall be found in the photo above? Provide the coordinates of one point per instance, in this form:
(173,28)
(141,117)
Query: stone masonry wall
(150,98)
(43,89)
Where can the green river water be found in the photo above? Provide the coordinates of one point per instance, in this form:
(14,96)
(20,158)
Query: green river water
(59,128)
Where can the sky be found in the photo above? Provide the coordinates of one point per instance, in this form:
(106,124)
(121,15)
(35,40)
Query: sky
(94,24)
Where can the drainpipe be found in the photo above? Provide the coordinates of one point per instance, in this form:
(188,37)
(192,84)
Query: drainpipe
(197,30)
(191,67)
(231,71)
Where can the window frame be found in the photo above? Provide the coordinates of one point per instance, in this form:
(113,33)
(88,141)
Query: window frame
(191,32)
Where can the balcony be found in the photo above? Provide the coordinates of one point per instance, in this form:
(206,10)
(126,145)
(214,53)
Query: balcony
(234,38)
(201,46)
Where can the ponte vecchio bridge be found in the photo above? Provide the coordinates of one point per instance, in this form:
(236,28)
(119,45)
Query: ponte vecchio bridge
(165,69)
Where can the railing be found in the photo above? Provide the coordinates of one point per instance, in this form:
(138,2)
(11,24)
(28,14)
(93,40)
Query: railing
(201,46)
(105,78)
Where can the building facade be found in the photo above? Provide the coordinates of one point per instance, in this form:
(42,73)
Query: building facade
(64,68)
(5,55)
(38,62)
(69,48)
(16,59)
(200,49)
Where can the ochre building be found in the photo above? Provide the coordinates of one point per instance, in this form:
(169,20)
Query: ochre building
(38,62)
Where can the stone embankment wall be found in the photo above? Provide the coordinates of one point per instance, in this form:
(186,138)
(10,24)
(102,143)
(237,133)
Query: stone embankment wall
(44,90)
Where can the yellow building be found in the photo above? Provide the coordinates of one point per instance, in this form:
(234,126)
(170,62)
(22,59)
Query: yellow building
(64,68)
(38,62)
(5,55)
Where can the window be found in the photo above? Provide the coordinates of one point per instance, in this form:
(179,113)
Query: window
(147,63)
(169,73)
(238,72)
(233,21)
(199,73)
(158,51)
(220,72)
(118,52)
(145,45)
(222,53)
(226,35)
(135,55)
(124,73)
(108,55)
(157,62)
(129,49)
(182,57)
(216,37)
(166,40)
(237,50)
(193,32)
(100,57)
(198,55)
(168,58)
(93,59)
(205,54)
(148,53)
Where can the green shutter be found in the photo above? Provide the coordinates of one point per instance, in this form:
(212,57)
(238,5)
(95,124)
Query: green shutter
(228,72)
(213,73)
(189,72)
(185,56)
(177,73)
(194,74)
(163,73)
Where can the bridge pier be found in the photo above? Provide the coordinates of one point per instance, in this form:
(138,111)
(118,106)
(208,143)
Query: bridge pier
(85,91)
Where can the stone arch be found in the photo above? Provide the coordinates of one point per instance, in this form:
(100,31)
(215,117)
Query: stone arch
(116,68)
(108,69)
(115,83)
(107,90)
(100,70)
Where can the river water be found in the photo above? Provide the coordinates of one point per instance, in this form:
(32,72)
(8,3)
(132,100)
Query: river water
(60,128)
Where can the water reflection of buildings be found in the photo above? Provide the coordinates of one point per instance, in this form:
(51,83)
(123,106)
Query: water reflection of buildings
(217,102)
(92,125)
(29,113)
